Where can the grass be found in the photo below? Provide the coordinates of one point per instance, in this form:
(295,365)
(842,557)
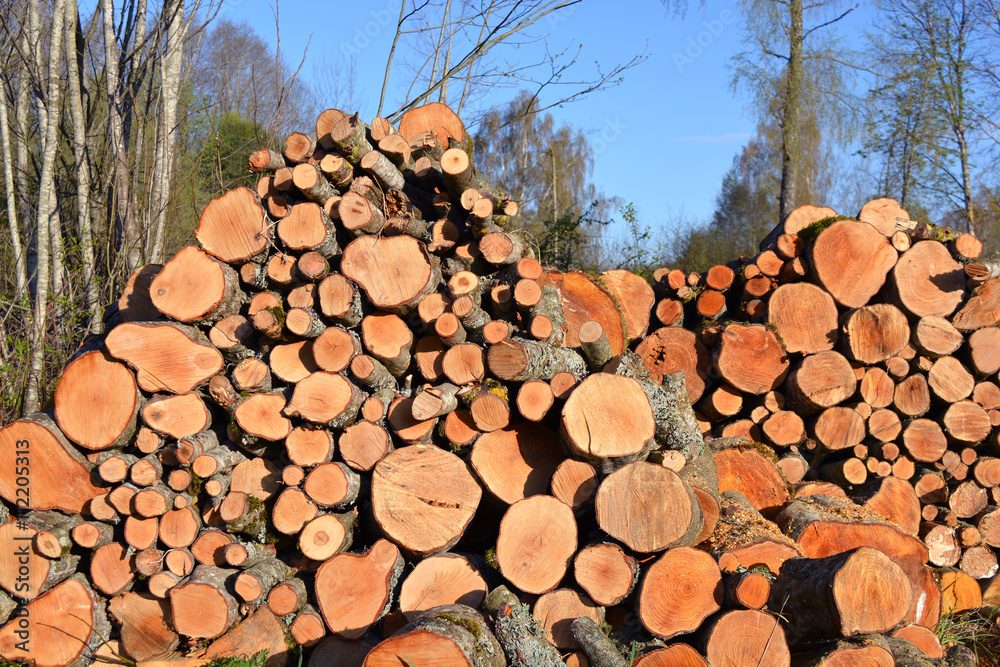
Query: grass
(977,629)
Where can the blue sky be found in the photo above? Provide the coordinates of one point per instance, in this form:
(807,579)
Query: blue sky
(663,139)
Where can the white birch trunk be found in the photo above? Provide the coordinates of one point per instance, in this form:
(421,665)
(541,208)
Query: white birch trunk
(46,184)
(82,165)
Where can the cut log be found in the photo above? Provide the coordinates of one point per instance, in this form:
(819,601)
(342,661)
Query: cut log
(750,468)
(884,214)
(851,261)
(364,260)
(822,380)
(195,287)
(672,349)
(928,281)
(574,482)
(743,537)
(949,380)
(166,357)
(679,591)
(201,607)
(556,611)
(62,627)
(936,336)
(325,398)
(145,633)
(966,423)
(675,655)
(648,521)
(355,591)
(750,358)
(823,526)
(233,227)
(894,500)
(605,572)
(42,470)
(536,542)
(522,360)
(912,396)
(95,379)
(805,317)
(852,593)
(636,299)
(447,635)
(259,416)
(982,309)
(440,580)
(404,479)
(875,333)
(583,299)
(747,638)
(749,589)
(177,416)
(516,462)
(608,420)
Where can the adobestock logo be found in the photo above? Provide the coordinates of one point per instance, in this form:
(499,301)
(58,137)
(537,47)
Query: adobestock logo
(696,45)
(363,36)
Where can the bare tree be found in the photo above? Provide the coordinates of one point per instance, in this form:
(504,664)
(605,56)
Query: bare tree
(463,41)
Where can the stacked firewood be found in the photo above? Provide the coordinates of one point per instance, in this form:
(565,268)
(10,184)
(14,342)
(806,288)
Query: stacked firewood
(359,413)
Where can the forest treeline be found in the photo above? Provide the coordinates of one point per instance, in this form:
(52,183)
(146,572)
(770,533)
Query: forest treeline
(121,119)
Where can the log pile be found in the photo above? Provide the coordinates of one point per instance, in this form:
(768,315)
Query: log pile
(359,413)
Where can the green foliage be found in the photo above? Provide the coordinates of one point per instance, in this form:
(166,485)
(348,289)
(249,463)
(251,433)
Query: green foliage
(562,242)
(973,628)
(639,252)
(257,660)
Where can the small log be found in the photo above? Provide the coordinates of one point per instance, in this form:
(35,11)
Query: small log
(574,482)
(605,572)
